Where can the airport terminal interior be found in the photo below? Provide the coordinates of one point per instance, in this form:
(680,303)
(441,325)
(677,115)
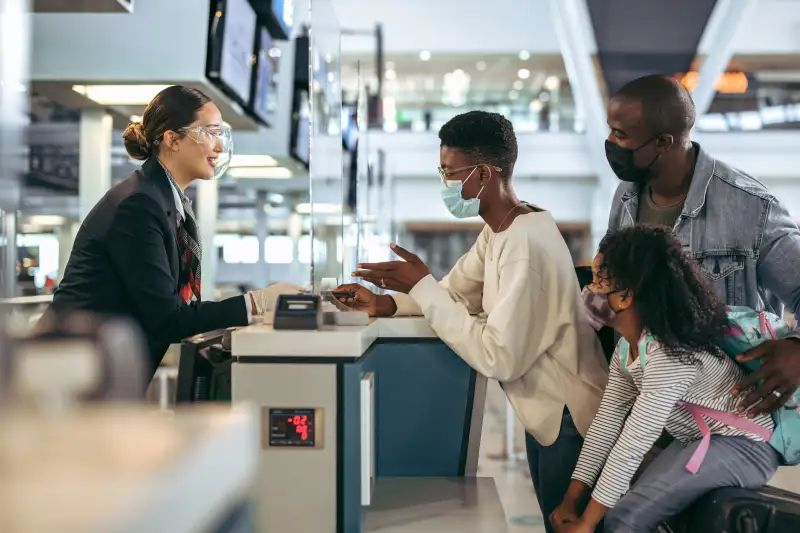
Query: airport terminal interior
(309,416)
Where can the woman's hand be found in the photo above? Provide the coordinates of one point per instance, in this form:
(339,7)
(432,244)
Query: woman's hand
(263,300)
(565,513)
(366,301)
(400,276)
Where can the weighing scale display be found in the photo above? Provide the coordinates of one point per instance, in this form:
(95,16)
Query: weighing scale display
(293,427)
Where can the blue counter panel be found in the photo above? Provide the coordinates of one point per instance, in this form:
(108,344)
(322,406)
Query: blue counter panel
(424,396)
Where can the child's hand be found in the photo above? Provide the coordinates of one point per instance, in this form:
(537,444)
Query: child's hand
(575,527)
(563,515)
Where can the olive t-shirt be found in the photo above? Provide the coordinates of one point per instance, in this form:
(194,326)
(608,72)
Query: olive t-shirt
(650,213)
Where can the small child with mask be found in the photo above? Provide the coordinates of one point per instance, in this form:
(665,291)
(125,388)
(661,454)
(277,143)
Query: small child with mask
(651,293)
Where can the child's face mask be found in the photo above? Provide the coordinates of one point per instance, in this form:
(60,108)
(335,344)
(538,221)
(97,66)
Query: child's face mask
(598,310)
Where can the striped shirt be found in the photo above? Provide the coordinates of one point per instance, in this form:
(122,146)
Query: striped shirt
(616,447)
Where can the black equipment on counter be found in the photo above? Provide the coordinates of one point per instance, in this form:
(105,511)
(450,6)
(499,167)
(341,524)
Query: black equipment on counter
(298,311)
(204,369)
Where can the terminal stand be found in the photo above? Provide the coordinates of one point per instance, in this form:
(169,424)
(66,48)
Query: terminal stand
(369,428)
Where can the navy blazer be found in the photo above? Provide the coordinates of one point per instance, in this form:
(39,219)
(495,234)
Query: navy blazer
(125,262)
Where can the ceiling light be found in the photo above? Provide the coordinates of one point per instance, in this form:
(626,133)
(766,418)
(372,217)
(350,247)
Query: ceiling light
(536,106)
(518,85)
(524,73)
(46,220)
(552,83)
(252,160)
(513,95)
(425,55)
(524,55)
(481,65)
(119,94)
(391,74)
(319,208)
(275,173)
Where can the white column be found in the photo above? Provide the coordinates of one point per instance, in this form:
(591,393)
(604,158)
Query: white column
(206,208)
(576,38)
(262,232)
(14,53)
(94,171)
(717,39)
(294,230)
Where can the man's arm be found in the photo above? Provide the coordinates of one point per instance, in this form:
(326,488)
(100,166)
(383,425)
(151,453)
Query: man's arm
(779,258)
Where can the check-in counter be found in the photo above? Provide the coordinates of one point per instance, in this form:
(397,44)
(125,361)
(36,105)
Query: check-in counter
(357,420)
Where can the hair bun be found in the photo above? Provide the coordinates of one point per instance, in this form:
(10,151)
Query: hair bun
(136,143)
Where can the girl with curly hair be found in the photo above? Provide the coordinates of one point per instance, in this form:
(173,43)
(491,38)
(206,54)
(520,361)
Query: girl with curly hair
(650,292)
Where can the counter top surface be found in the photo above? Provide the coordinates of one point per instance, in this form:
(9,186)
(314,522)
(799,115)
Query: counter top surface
(124,469)
(331,341)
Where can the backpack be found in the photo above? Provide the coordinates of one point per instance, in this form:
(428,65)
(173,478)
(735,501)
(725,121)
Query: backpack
(745,329)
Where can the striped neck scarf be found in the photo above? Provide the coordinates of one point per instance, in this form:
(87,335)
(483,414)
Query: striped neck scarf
(189,239)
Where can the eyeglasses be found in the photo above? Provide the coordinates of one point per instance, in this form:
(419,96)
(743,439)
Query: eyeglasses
(445,175)
(216,136)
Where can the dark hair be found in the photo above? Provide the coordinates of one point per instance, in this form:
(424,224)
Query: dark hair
(675,302)
(171,109)
(666,105)
(486,137)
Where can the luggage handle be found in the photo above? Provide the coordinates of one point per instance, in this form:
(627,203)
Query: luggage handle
(747,522)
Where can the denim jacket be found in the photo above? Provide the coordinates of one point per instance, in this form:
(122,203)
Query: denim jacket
(741,236)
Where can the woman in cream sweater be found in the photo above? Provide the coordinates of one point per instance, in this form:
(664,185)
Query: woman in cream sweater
(511,307)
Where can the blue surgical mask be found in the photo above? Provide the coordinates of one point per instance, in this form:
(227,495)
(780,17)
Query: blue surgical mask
(459,206)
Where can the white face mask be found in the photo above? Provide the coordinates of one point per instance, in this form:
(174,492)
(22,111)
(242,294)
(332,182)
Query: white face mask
(217,137)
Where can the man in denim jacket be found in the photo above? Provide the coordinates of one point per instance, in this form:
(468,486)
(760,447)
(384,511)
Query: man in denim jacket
(741,236)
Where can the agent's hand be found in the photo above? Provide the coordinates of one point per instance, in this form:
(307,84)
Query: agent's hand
(264,300)
(780,372)
(400,276)
(564,514)
(367,301)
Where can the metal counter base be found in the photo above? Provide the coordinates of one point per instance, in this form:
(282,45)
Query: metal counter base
(435,505)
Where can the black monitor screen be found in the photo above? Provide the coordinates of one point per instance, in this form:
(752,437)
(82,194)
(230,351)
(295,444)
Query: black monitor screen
(264,99)
(302,145)
(231,44)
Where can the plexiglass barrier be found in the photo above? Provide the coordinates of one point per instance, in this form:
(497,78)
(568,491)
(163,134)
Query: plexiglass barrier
(326,184)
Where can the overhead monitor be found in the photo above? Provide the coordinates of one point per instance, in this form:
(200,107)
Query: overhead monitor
(263,101)
(284,14)
(231,42)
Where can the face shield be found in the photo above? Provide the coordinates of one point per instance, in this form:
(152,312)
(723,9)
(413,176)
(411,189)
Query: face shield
(220,139)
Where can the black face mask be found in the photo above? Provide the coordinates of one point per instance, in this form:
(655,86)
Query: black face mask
(622,162)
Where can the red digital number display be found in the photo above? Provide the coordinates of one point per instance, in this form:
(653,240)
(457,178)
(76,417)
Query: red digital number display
(292,427)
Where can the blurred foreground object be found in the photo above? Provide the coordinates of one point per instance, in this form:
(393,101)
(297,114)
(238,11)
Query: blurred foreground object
(115,469)
(75,357)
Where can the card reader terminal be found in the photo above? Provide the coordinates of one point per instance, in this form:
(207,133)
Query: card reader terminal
(298,311)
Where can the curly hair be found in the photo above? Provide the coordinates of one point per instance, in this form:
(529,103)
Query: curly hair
(486,137)
(675,302)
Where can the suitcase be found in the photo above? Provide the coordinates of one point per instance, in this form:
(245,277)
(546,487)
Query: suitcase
(734,510)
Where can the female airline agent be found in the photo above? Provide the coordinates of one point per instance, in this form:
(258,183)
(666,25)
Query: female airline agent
(138,252)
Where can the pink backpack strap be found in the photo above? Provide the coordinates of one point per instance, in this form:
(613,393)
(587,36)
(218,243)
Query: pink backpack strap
(731,419)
